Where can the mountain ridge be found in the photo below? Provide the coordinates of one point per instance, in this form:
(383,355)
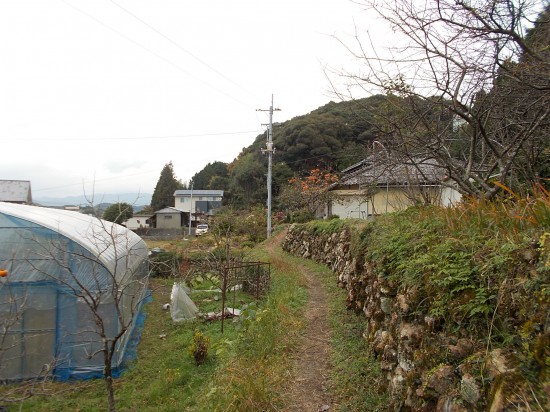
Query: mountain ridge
(134,199)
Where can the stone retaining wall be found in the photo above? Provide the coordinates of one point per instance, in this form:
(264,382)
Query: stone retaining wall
(409,343)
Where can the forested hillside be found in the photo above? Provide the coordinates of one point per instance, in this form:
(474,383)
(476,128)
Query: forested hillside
(331,137)
(482,114)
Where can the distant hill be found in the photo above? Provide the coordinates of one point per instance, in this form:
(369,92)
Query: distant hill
(331,137)
(134,199)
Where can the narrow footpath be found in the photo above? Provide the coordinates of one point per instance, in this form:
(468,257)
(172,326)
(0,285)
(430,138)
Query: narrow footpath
(307,392)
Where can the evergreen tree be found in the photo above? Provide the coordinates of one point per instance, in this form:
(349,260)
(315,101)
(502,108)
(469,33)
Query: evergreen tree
(206,178)
(118,212)
(163,196)
(248,181)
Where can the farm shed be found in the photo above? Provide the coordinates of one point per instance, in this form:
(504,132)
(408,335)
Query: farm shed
(65,276)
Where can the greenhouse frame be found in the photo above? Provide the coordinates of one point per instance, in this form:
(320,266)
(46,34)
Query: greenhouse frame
(67,280)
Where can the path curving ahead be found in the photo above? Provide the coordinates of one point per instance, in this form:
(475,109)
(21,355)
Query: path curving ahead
(307,391)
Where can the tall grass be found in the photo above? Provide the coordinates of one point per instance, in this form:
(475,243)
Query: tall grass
(480,269)
(164,376)
(258,369)
(508,217)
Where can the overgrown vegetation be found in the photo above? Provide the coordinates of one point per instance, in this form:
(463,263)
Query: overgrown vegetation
(118,212)
(307,195)
(327,226)
(479,271)
(468,259)
(246,368)
(254,379)
(199,348)
(482,269)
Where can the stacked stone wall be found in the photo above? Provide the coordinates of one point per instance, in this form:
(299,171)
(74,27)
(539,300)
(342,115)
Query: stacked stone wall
(410,343)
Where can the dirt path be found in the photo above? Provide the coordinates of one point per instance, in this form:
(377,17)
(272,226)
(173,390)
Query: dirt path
(307,392)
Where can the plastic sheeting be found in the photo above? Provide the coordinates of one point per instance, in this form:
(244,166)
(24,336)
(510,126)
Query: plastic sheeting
(45,234)
(181,305)
(66,270)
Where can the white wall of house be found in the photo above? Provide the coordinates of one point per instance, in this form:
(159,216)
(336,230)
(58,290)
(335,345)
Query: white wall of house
(137,222)
(184,203)
(188,200)
(352,204)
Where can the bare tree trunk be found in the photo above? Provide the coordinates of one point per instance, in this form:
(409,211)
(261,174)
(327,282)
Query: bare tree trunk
(108,376)
(224,274)
(110,392)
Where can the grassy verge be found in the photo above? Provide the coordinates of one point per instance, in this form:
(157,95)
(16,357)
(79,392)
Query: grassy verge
(253,380)
(244,370)
(247,368)
(163,378)
(257,369)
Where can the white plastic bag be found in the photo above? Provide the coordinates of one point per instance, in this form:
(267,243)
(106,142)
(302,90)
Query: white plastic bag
(181,306)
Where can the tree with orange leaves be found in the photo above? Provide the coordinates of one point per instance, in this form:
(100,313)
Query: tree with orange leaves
(308,193)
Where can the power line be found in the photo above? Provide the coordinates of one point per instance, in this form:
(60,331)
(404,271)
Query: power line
(128,138)
(105,179)
(177,67)
(182,48)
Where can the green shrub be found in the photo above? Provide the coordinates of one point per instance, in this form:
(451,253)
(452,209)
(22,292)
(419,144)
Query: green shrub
(164,264)
(327,226)
(248,244)
(301,216)
(199,347)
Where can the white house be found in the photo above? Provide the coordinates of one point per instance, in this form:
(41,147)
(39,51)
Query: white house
(198,202)
(138,221)
(380,185)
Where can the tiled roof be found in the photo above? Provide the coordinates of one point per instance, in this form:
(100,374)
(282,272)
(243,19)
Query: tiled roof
(382,171)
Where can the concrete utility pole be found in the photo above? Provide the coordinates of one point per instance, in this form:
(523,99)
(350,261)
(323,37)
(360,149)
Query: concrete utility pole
(190,209)
(270,149)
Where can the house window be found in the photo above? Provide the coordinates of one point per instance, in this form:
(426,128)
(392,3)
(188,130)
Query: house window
(168,217)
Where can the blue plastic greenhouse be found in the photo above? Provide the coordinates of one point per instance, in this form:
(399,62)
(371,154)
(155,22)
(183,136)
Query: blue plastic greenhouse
(66,280)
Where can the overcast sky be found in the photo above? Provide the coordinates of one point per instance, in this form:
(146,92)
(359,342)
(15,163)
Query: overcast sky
(97,96)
